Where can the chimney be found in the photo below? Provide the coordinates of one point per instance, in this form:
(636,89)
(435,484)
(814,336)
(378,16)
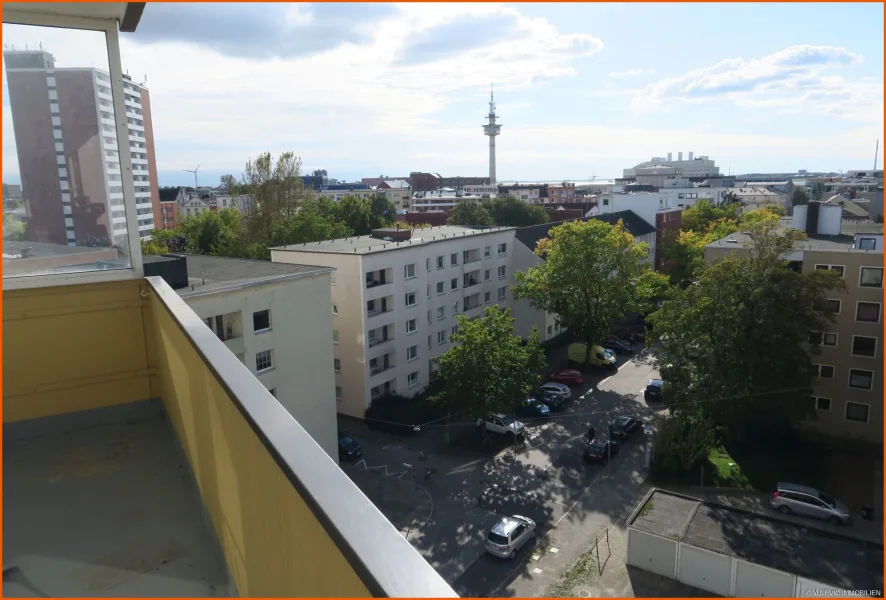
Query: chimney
(670,156)
(690,155)
(679,156)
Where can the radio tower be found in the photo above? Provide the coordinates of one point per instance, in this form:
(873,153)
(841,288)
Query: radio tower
(491,129)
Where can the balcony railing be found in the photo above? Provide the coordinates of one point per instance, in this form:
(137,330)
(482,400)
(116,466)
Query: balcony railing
(95,436)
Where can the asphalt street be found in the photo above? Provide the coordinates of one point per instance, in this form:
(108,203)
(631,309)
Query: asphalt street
(545,479)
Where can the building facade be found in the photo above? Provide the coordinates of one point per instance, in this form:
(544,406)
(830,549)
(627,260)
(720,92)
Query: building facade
(848,390)
(66,139)
(696,167)
(395,298)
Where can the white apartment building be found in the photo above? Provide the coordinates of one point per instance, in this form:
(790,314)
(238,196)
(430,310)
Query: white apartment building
(276,319)
(395,298)
(440,200)
(694,166)
(646,204)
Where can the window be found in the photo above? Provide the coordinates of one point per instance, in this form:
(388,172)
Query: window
(821,403)
(412,379)
(336,364)
(550,330)
(501,272)
(441,313)
(502,249)
(502,292)
(429,290)
(411,353)
(487,251)
(409,271)
(830,304)
(440,287)
(860,379)
(867,312)
(429,316)
(263,361)
(453,259)
(411,326)
(864,346)
(453,283)
(337,393)
(273,392)
(410,299)
(823,339)
(838,268)
(335,336)
(261,320)
(487,297)
(429,341)
(428,265)
(487,275)
(441,337)
(867,243)
(871,277)
(855,411)
(440,264)
(823,371)
(455,307)
(605,201)
(335,309)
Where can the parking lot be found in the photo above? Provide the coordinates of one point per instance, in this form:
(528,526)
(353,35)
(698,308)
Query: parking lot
(544,478)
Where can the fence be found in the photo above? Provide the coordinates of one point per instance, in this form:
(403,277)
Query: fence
(717,573)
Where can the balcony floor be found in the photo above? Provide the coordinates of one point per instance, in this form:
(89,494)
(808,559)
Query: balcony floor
(103,503)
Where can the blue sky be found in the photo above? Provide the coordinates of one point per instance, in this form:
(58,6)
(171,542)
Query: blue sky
(583,89)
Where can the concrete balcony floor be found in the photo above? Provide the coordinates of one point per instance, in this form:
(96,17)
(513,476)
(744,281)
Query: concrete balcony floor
(103,503)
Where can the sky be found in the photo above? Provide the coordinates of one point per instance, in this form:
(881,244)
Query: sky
(582,90)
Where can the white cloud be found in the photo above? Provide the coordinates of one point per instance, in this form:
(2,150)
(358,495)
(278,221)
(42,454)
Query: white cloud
(793,78)
(631,73)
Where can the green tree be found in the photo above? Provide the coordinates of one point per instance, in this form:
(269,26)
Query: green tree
(700,215)
(13,228)
(277,191)
(153,247)
(592,273)
(511,212)
(171,239)
(799,197)
(470,213)
(214,232)
(356,213)
(382,211)
(737,340)
(488,369)
(683,440)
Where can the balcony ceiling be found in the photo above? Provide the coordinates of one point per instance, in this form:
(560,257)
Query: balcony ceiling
(125,13)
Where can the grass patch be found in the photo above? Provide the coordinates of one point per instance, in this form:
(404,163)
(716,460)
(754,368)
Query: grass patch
(761,467)
(647,508)
(723,471)
(582,571)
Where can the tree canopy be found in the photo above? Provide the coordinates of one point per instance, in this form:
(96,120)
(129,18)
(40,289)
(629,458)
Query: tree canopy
(799,197)
(512,212)
(592,273)
(488,369)
(736,340)
(470,213)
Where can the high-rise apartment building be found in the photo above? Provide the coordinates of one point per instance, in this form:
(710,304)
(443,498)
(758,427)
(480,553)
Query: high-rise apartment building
(69,159)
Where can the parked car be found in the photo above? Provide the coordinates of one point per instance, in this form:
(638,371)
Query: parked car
(790,498)
(532,408)
(348,448)
(509,535)
(618,347)
(652,393)
(554,395)
(567,376)
(502,424)
(624,428)
(600,452)
(624,338)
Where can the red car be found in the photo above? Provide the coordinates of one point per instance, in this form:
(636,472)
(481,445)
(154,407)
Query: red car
(567,376)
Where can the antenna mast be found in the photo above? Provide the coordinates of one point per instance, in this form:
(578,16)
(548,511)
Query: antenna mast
(876,152)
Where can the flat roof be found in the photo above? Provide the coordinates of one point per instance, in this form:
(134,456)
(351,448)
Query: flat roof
(43,250)
(817,554)
(211,274)
(367,244)
(844,241)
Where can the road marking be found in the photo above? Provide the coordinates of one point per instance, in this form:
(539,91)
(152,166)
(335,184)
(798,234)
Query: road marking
(604,381)
(624,365)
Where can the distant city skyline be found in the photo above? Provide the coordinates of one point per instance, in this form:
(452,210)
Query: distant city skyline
(582,89)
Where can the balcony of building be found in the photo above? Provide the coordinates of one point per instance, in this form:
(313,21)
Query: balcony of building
(380,335)
(379,306)
(143,459)
(473,305)
(381,364)
(378,278)
(385,389)
(229,329)
(471,279)
(471,256)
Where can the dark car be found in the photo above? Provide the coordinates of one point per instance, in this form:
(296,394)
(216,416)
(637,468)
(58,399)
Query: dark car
(531,408)
(624,428)
(617,346)
(553,399)
(348,448)
(600,452)
(652,393)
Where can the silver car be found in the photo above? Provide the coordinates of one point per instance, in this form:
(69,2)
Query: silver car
(557,388)
(790,498)
(509,535)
